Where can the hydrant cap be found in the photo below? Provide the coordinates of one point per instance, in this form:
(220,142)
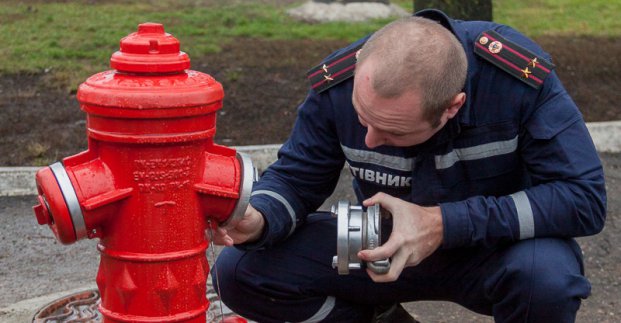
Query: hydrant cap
(150,50)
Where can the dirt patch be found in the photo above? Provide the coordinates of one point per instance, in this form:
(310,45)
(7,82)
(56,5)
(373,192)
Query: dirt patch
(264,81)
(590,68)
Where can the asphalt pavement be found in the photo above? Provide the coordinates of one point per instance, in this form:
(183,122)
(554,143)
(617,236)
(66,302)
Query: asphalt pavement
(35,269)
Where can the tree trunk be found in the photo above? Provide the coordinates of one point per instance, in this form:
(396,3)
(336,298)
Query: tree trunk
(459,9)
(346,1)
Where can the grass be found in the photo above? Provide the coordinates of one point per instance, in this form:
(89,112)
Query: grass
(73,40)
(561,17)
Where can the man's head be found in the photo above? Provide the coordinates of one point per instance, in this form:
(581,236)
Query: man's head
(408,82)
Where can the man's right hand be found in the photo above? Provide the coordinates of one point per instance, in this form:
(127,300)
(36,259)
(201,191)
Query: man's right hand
(248,229)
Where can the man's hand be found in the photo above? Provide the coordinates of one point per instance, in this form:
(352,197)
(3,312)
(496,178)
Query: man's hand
(417,232)
(248,229)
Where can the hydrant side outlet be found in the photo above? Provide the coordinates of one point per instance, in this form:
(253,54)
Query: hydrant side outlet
(150,183)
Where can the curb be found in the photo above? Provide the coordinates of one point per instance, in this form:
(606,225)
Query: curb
(16,181)
(24,311)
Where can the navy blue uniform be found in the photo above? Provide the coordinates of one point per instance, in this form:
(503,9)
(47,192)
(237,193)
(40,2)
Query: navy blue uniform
(516,176)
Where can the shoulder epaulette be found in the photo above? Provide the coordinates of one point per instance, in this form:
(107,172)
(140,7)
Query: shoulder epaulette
(333,71)
(513,58)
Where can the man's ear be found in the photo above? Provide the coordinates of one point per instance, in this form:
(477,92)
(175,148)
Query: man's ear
(456,103)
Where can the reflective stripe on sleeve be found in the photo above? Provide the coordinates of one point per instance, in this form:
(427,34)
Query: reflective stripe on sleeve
(372,157)
(282,200)
(476,152)
(525,215)
(323,311)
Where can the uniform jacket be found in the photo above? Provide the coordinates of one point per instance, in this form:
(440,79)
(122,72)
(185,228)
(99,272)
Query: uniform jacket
(516,162)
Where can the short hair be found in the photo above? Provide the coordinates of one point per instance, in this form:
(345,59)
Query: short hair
(417,54)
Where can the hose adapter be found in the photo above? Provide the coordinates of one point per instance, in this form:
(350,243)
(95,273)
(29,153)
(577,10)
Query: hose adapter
(357,230)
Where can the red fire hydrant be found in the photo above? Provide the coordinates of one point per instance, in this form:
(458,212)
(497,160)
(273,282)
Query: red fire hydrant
(150,183)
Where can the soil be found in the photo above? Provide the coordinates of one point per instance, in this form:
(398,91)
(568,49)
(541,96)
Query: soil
(264,81)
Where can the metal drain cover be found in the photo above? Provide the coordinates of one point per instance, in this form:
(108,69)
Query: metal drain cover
(77,307)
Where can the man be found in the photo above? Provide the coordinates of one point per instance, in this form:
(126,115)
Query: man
(463,132)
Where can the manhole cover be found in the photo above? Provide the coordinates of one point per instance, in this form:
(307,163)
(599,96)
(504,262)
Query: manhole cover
(82,307)
(78,307)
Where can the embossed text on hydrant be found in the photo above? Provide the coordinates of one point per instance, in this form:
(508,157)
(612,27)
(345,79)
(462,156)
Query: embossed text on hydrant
(161,174)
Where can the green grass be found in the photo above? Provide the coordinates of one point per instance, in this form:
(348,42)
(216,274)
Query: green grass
(74,40)
(78,37)
(561,17)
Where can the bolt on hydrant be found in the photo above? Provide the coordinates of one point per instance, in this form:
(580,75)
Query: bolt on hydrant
(151,182)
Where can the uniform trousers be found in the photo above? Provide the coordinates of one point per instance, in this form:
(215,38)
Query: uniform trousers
(534,280)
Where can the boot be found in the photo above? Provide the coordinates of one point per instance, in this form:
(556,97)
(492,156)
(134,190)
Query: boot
(393,313)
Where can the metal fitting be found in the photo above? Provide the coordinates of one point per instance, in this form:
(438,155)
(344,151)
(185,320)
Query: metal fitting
(357,230)
(73,205)
(249,175)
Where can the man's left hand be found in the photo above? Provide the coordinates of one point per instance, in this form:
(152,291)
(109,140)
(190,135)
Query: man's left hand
(416,233)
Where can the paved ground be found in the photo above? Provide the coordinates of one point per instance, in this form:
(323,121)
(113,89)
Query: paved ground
(33,265)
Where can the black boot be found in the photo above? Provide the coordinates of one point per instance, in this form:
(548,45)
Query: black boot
(394,313)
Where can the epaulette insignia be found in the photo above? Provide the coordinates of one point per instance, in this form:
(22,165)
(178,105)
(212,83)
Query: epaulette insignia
(333,71)
(512,58)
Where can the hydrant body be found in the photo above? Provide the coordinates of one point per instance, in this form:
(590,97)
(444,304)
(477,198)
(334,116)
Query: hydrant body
(150,183)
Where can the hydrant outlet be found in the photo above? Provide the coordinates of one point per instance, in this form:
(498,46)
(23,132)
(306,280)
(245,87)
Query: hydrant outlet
(53,208)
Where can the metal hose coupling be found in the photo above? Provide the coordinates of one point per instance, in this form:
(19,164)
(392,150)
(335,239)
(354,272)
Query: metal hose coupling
(357,230)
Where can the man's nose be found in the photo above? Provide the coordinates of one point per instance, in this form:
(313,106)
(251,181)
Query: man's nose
(372,138)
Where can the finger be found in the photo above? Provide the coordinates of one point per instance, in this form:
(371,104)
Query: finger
(221,231)
(397,263)
(387,202)
(223,240)
(231,224)
(220,237)
(384,251)
(238,237)
(374,199)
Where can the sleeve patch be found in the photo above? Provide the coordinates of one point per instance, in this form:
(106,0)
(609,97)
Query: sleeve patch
(513,58)
(333,71)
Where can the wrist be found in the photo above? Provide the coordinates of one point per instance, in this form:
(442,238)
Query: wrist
(259,224)
(434,214)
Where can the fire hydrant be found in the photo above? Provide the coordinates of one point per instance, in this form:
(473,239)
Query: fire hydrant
(150,183)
